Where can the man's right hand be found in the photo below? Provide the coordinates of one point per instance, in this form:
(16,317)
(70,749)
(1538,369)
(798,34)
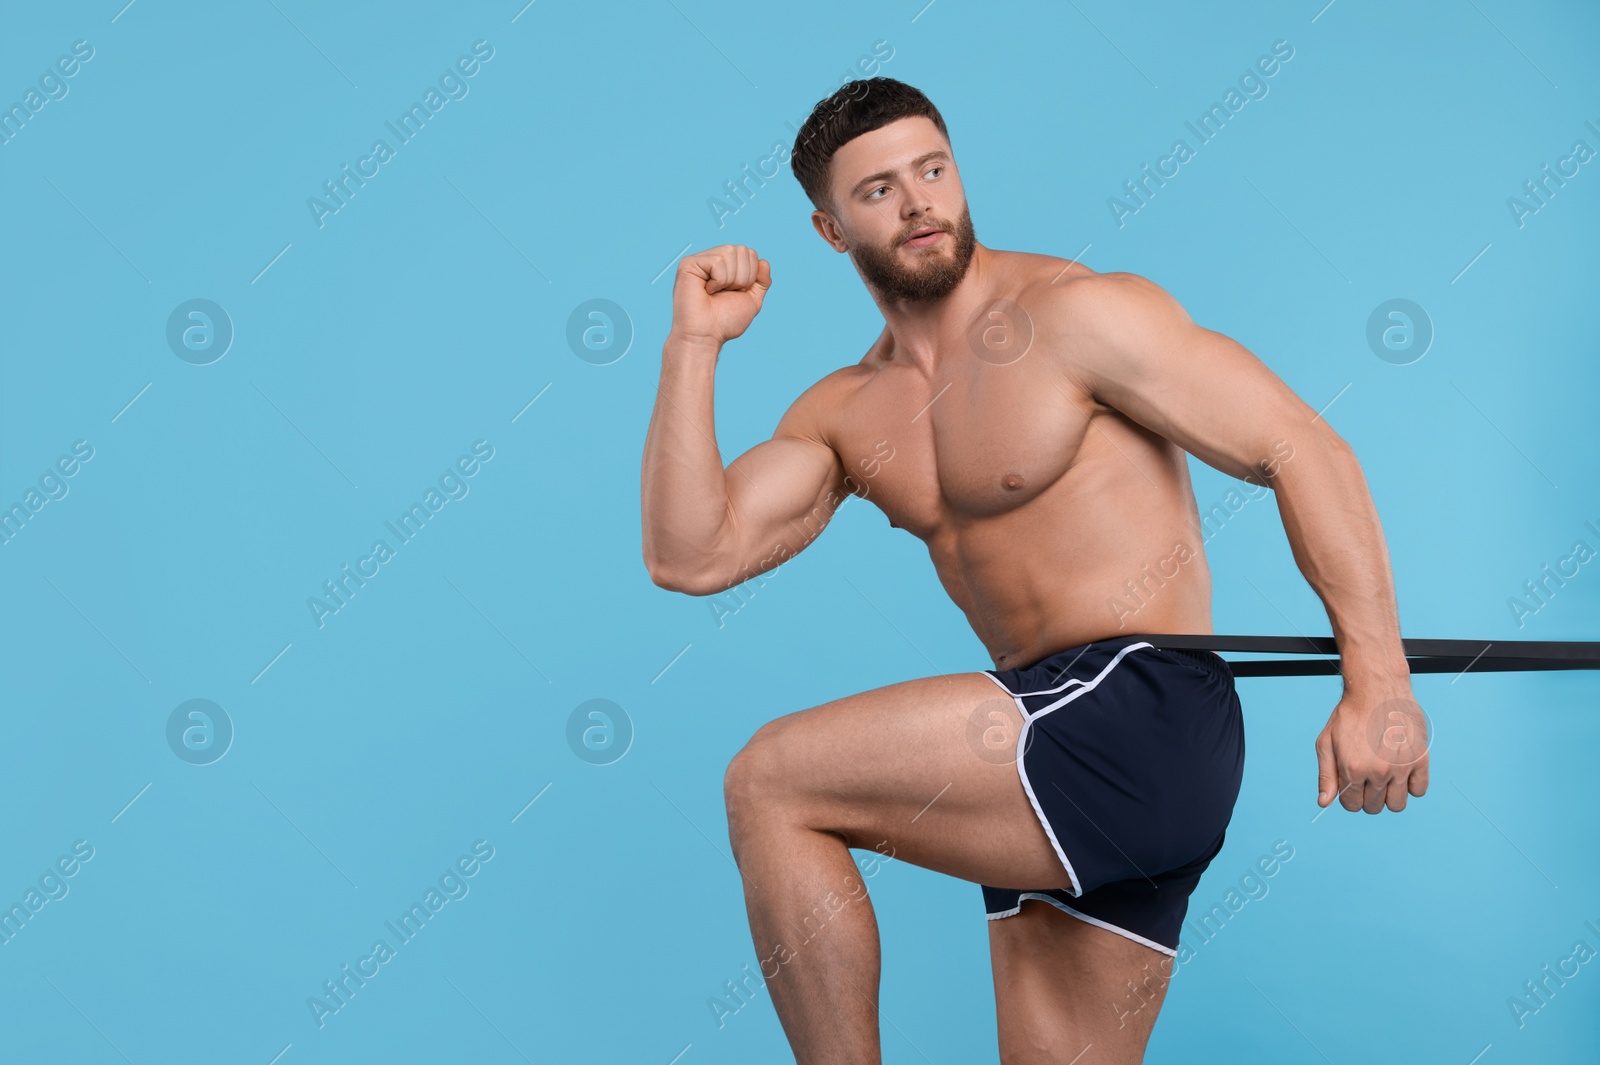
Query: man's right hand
(717,293)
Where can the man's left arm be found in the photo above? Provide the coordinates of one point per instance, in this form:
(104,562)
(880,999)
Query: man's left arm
(1135,349)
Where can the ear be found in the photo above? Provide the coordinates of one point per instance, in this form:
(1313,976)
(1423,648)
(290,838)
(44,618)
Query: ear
(829,230)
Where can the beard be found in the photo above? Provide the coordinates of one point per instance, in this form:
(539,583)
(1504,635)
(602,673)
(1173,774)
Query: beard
(931,275)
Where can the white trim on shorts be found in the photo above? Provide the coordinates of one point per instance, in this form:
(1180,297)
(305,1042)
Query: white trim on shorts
(1022,742)
(1064,908)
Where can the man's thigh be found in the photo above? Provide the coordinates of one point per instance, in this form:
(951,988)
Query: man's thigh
(1062,984)
(927,766)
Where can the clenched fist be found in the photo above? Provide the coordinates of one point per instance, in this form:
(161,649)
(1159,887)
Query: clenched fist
(718,292)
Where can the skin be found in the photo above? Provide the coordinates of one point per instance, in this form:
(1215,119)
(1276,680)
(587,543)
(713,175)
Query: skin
(1027,418)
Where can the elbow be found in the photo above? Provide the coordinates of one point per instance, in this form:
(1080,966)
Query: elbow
(661,574)
(686,585)
(658,576)
(1338,444)
(679,579)
(1339,451)
(692,570)
(669,580)
(1321,443)
(1312,459)
(1325,438)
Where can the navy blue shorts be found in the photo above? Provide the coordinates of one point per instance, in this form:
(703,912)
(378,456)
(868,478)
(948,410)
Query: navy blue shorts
(1131,756)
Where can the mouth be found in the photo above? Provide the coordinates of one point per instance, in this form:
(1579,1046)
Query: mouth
(924,237)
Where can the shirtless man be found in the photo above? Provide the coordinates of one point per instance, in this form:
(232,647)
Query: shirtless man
(1027,418)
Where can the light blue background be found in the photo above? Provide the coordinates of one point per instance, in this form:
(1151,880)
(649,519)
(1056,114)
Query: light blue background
(425,315)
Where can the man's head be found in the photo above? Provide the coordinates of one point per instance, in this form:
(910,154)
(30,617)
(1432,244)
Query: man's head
(875,160)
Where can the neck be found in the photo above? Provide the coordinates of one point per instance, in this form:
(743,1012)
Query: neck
(917,326)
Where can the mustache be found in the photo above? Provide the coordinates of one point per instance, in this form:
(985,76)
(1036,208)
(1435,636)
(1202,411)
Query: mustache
(925,225)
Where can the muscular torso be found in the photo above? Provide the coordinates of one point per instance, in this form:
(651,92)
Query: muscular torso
(1052,519)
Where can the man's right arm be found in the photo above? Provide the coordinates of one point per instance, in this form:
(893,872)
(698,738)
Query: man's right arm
(705,528)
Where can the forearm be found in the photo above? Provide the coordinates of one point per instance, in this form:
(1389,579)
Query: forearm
(684,497)
(1337,540)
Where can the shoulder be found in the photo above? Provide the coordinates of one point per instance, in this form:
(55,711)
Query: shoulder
(1113,324)
(1031,272)
(1108,332)
(810,416)
(1102,304)
(1064,295)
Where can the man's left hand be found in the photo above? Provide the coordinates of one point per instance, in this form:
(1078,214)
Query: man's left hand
(1374,750)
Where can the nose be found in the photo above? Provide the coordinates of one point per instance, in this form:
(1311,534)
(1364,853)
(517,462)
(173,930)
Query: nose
(916,203)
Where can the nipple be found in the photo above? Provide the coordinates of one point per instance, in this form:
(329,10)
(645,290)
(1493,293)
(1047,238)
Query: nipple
(1012,481)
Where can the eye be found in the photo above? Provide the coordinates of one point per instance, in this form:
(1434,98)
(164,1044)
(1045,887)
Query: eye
(875,191)
(935,169)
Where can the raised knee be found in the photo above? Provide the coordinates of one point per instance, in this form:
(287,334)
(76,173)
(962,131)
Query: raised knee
(751,773)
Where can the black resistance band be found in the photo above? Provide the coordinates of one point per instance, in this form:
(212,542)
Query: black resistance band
(1423,656)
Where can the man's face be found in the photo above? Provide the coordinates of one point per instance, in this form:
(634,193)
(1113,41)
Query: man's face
(889,185)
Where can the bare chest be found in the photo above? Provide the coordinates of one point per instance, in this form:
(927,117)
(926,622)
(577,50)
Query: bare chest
(976,441)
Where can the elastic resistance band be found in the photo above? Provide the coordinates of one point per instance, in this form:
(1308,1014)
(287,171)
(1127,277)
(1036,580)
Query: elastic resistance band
(1423,656)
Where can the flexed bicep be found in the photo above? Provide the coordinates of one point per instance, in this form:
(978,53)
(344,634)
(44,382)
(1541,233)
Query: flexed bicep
(781,494)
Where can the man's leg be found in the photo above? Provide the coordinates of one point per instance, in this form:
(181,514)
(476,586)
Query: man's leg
(920,768)
(1067,991)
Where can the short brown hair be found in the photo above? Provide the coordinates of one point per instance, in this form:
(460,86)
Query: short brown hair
(857,107)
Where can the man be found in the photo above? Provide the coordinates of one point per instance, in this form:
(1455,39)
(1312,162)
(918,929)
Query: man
(1027,418)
